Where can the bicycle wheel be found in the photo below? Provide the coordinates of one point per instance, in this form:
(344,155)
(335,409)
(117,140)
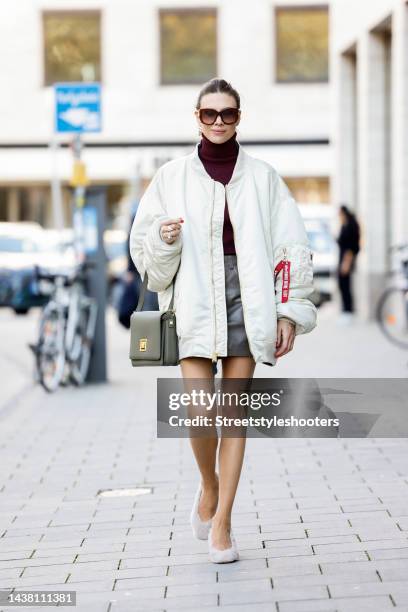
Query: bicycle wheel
(82,344)
(392,315)
(50,351)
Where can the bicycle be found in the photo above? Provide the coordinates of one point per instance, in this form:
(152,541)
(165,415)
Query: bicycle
(392,307)
(66,328)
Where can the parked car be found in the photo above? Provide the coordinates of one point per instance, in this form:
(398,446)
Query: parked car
(320,223)
(23,246)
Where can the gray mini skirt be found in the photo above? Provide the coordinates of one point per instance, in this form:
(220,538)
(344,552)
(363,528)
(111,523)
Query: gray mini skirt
(237,339)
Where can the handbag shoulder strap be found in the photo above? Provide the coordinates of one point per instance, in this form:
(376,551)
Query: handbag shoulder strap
(142,294)
(144,288)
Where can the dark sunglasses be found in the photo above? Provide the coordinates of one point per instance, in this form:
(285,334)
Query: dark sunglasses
(208,116)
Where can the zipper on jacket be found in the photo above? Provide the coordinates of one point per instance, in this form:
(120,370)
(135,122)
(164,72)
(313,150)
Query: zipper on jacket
(242,300)
(214,354)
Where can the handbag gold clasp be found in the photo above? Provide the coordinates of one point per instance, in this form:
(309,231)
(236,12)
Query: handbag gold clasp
(143,344)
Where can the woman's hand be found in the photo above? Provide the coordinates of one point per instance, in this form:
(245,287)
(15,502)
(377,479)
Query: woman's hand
(285,337)
(170,230)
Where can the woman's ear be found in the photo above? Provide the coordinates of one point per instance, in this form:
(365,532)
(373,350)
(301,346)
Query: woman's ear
(199,128)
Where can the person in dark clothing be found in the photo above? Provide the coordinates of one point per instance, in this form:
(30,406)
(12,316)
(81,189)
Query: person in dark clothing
(132,271)
(151,300)
(349,246)
(132,284)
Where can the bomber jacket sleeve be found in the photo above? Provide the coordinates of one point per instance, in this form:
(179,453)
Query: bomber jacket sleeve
(147,249)
(289,238)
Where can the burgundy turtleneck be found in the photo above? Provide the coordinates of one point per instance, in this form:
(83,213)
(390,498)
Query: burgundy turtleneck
(219,161)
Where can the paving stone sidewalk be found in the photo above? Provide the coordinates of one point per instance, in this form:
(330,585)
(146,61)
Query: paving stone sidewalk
(321,525)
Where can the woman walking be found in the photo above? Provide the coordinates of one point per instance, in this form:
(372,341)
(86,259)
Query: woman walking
(224,227)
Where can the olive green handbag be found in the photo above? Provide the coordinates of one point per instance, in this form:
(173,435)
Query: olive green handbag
(153,336)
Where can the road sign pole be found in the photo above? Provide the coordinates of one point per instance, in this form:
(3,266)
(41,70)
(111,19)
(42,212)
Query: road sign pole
(78,201)
(78,111)
(56,195)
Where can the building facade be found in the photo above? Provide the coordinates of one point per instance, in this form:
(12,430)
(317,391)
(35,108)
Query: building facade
(151,57)
(369,64)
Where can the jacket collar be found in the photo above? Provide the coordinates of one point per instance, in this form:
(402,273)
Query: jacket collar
(198,166)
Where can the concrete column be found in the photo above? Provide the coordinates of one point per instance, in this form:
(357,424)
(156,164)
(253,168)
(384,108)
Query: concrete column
(35,204)
(399,107)
(67,207)
(345,131)
(373,163)
(48,212)
(13,205)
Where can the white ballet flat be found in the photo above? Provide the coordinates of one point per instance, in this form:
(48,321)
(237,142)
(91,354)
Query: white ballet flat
(200,528)
(223,556)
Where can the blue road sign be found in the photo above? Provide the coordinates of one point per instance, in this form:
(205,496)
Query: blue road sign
(77,107)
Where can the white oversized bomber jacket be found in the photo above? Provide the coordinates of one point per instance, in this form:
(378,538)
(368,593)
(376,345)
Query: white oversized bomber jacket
(267,227)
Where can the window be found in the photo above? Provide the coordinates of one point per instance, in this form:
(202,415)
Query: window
(312,190)
(302,44)
(72,46)
(188,46)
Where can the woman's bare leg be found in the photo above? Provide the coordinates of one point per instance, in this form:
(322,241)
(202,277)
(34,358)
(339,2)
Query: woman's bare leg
(230,458)
(204,448)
